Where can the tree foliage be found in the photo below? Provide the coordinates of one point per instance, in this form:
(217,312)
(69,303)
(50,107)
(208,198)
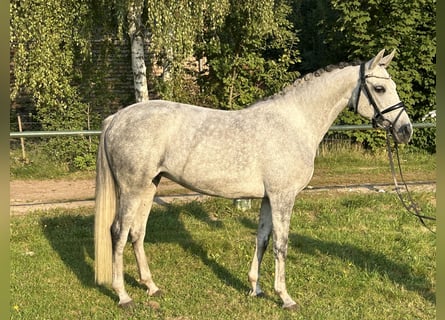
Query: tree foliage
(45,50)
(47,37)
(249,52)
(357,30)
(173,27)
(252,49)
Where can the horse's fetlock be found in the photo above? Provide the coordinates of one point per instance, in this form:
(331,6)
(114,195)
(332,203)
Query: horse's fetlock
(253,277)
(127,304)
(292,306)
(156,293)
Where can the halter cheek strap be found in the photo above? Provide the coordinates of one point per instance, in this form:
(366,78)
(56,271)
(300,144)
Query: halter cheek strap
(378,120)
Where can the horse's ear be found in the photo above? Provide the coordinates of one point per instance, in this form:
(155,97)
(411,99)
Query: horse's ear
(386,60)
(376,60)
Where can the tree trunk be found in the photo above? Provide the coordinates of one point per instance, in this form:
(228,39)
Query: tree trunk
(136,33)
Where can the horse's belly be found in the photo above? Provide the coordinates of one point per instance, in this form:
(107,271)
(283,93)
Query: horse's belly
(223,186)
(216,168)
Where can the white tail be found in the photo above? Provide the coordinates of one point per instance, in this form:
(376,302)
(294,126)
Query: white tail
(105,213)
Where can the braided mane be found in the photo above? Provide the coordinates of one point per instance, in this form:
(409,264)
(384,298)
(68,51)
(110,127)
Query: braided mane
(319,72)
(308,77)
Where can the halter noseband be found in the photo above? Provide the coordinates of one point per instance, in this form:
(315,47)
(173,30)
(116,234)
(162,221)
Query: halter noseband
(378,120)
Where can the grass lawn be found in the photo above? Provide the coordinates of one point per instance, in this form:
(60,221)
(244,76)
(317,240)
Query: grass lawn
(351,256)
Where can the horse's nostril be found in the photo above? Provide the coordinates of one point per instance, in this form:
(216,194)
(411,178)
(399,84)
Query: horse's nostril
(407,130)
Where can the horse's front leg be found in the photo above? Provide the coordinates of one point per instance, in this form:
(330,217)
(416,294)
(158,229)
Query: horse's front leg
(262,240)
(281,214)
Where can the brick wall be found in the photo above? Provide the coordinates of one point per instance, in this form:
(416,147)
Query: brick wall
(107,82)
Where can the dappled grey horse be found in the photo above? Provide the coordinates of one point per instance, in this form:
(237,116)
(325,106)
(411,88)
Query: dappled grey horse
(265,151)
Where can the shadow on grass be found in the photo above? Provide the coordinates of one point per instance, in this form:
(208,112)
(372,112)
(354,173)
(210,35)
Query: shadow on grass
(165,226)
(369,261)
(72,238)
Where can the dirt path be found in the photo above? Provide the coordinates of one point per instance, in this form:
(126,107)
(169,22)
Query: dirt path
(30,195)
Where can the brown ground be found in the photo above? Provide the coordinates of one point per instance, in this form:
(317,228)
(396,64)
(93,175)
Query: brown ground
(29,195)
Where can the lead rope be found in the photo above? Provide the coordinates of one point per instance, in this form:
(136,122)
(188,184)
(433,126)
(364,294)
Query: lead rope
(410,206)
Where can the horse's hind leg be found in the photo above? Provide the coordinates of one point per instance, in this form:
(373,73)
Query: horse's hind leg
(262,240)
(137,233)
(126,212)
(131,218)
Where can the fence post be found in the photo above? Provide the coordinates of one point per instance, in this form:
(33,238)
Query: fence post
(22,140)
(242,204)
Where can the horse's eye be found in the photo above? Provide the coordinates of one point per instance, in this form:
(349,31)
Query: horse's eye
(379,89)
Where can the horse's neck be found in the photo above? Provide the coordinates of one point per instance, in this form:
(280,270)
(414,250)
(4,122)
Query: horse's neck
(316,103)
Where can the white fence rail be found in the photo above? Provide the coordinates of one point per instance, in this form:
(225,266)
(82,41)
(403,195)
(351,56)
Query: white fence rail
(40,134)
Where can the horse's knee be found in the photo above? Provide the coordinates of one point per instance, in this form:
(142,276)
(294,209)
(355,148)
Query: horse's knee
(136,234)
(280,249)
(253,276)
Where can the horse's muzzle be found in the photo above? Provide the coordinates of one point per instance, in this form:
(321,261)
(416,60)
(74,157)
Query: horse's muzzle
(403,133)
(400,127)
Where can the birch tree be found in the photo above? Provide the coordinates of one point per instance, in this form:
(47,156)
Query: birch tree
(167,30)
(137,35)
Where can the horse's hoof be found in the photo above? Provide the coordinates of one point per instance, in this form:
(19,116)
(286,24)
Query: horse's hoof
(260,294)
(154,305)
(157,293)
(291,306)
(127,305)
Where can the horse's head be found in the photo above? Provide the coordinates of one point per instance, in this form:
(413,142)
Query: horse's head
(376,98)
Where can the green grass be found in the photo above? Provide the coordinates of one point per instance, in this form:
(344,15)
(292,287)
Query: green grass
(37,165)
(351,256)
(354,166)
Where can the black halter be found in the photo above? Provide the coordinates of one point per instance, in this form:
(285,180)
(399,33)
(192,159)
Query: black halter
(378,120)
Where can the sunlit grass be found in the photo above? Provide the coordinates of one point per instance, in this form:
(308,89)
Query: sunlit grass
(354,165)
(351,256)
(37,165)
